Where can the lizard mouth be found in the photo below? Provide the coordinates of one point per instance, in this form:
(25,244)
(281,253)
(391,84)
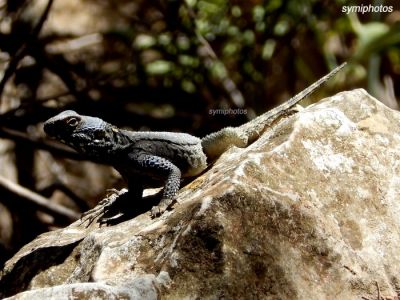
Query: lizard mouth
(53,130)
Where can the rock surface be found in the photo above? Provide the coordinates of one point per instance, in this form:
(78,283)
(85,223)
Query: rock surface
(309,211)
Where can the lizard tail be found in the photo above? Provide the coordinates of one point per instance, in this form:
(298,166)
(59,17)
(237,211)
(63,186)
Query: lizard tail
(304,93)
(218,142)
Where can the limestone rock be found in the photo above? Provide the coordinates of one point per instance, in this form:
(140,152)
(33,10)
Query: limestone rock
(309,211)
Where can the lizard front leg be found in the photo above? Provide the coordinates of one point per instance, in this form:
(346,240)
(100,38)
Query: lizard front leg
(157,167)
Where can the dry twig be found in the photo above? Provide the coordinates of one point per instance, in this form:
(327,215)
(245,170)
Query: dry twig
(52,147)
(39,201)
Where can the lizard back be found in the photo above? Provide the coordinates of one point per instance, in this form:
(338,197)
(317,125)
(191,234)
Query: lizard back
(182,149)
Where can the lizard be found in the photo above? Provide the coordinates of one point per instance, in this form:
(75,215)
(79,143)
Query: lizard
(144,156)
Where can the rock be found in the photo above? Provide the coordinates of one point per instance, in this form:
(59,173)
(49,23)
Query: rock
(309,211)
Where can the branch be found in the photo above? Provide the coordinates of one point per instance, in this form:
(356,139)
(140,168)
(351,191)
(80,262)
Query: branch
(39,201)
(58,186)
(210,56)
(12,66)
(52,147)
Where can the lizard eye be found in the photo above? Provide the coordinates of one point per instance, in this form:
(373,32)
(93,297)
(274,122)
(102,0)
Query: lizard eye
(73,122)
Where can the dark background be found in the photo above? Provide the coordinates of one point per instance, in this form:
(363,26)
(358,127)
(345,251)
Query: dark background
(162,65)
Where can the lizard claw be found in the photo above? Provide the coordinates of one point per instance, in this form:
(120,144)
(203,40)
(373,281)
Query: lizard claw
(156,211)
(111,192)
(109,221)
(102,208)
(91,215)
(159,209)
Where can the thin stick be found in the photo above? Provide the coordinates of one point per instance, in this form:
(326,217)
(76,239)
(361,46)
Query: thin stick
(52,147)
(38,200)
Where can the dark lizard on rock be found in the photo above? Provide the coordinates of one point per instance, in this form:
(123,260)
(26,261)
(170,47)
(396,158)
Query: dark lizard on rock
(142,156)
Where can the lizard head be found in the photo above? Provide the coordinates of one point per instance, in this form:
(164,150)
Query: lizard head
(77,131)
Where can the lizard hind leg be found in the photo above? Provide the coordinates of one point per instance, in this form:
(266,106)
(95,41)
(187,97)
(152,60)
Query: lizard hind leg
(218,142)
(103,212)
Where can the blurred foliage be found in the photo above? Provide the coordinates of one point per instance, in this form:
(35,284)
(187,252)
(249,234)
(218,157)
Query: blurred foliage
(213,53)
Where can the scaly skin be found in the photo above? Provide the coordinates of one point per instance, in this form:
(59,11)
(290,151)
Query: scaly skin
(140,157)
(218,142)
(143,158)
